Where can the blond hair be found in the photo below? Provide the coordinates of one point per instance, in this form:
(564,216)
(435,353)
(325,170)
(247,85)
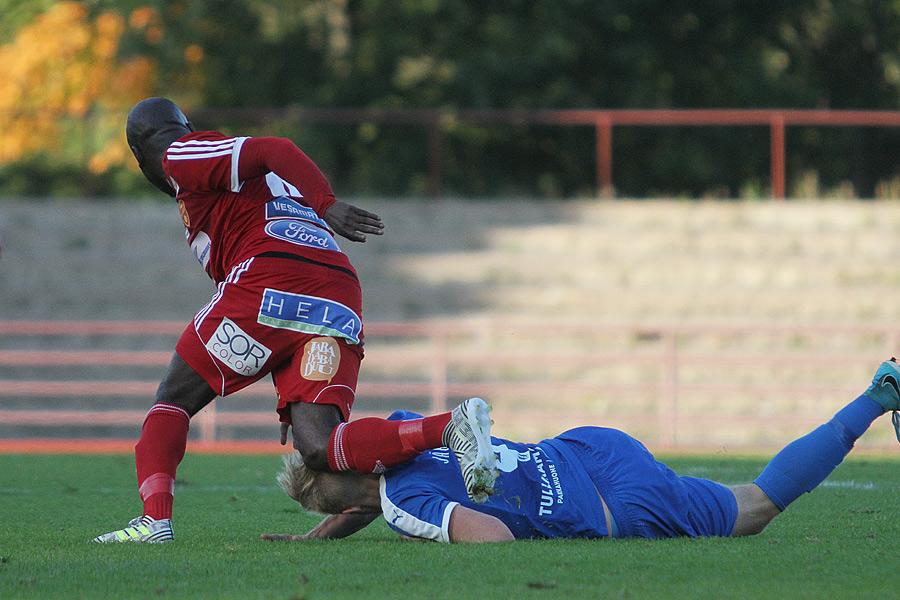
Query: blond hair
(316,491)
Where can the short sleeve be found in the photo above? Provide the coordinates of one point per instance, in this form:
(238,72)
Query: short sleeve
(415,510)
(204,162)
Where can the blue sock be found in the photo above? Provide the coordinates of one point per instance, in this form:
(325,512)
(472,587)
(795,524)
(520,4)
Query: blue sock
(805,463)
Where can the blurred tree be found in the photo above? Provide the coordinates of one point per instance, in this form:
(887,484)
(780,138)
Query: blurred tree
(456,54)
(64,92)
(846,55)
(17,13)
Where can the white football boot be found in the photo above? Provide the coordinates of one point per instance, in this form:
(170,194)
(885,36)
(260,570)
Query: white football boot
(469,436)
(141,529)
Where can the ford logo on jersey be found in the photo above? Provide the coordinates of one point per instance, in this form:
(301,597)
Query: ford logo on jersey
(283,207)
(309,314)
(302,234)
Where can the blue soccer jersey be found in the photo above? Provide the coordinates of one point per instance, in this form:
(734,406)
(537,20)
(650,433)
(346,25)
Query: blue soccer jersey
(542,491)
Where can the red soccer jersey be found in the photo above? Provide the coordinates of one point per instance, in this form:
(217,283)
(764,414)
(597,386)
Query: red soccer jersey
(235,206)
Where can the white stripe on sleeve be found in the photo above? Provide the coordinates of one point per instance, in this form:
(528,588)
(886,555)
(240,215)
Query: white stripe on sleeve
(236,182)
(200,146)
(199,143)
(192,155)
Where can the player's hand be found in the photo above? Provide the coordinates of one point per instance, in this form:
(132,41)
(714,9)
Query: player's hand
(283,537)
(284,433)
(351,222)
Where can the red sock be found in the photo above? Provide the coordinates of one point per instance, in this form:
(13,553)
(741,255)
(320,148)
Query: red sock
(371,445)
(157,455)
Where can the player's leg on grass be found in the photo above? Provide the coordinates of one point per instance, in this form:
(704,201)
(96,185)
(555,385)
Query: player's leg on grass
(805,463)
(755,509)
(181,395)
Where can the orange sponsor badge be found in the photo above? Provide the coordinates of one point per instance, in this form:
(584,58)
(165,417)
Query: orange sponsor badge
(321,359)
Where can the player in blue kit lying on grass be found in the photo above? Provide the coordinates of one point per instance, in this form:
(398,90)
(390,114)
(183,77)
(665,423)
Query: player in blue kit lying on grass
(589,482)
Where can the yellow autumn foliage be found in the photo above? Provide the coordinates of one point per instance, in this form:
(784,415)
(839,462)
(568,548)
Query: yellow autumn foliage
(58,70)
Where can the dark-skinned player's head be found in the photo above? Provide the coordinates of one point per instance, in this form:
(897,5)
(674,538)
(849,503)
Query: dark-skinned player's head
(153,124)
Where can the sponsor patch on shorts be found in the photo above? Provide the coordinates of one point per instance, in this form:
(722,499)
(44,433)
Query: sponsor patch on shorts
(234,347)
(309,314)
(321,359)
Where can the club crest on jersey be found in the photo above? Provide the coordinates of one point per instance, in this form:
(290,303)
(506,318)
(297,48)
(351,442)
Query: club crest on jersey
(234,347)
(302,234)
(185,217)
(321,359)
(508,459)
(309,314)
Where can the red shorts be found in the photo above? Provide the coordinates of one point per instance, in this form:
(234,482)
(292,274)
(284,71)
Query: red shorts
(298,321)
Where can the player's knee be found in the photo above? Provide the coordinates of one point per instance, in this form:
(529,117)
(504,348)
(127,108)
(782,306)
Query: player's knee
(312,426)
(191,400)
(755,510)
(313,451)
(184,387)
(755,525)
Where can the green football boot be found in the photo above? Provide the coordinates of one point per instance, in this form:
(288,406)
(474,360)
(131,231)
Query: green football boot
(885,390)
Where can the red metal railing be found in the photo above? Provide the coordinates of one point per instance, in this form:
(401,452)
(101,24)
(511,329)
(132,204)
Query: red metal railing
(540,377)
(603,122)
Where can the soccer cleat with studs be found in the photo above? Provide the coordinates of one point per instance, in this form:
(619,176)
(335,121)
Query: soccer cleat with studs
(141,529)
(469,436)
(885,390)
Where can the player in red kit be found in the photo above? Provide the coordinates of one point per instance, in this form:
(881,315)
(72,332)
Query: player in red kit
(261,218)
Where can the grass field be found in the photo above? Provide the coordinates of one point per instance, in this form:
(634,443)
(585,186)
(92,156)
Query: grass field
(839,542)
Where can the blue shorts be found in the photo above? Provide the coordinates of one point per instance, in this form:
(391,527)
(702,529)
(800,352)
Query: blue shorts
(645,497)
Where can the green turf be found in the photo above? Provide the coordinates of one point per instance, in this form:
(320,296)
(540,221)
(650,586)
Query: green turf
(839,542)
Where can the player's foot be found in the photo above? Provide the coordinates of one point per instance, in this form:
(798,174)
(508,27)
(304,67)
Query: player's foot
(885,390)
(142,529)
(469,436)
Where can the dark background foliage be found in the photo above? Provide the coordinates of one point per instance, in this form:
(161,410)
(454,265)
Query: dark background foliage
(524,54)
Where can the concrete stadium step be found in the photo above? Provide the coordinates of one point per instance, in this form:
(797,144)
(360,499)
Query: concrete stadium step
(814,259)
(831,260)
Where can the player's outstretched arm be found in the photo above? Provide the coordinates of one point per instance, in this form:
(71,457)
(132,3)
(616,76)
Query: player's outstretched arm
(332,527)
(468,525)
(280,156)
(352,222)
